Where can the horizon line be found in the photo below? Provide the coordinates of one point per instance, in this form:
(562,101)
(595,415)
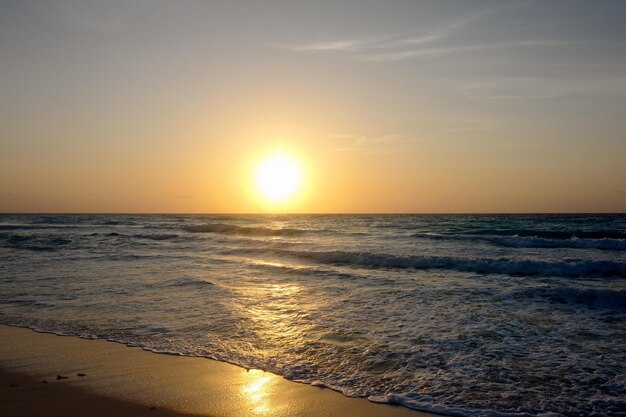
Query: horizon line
(316,213)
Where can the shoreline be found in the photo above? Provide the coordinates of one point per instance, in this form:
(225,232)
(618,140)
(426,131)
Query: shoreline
(129,381)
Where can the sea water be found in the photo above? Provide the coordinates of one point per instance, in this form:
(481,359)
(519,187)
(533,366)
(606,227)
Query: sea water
(456,314)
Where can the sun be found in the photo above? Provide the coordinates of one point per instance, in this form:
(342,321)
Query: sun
(278,177)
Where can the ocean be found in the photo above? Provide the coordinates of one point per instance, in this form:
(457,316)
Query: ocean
(465,315)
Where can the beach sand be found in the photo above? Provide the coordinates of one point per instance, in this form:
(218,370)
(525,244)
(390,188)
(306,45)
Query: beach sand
(124,381)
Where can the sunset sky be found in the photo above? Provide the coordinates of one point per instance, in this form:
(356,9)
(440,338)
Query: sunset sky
(385,106)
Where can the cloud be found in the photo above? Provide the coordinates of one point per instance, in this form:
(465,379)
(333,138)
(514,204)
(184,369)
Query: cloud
(448,29)
(398,55)
(515,89)
(345,45)
(403,46)
(348,143)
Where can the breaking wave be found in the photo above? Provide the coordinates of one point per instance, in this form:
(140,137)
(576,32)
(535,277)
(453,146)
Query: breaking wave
(231,229)
(554,234)
(517,241)
(567,268)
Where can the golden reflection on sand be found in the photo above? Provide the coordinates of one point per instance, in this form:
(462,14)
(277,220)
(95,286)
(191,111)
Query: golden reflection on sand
(273,312)
(256,390)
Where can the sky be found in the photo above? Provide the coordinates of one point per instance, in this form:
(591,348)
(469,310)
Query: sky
(387,106)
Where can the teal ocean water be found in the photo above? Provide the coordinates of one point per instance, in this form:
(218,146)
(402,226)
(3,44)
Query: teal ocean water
(462,315)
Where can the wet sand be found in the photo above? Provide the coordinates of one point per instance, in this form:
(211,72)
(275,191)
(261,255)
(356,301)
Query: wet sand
(117,380)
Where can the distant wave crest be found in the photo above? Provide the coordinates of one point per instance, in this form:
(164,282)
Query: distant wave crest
(54,242)
(46,243)
(150,236)
(231,229)
(526,267)
(590,296)
(517,241)
(555,234)
(156,236)
(192,281)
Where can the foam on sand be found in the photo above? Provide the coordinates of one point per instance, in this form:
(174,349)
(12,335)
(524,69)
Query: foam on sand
(120,378)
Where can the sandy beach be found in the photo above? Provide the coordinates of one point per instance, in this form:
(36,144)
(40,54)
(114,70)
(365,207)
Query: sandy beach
(313,208)
(125,381)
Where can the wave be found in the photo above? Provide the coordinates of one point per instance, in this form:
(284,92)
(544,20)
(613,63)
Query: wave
(517,241)
(157,236)
(427,403)
(608,298)
(193,282)
(302,270)
(10,227)
(553,234)
(150,236)
(15,227)
(35,243)
(53,242)
(412,400)
(231,229)
(571,268)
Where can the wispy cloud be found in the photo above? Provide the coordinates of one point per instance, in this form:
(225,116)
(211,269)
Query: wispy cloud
(515,89)
(349,143)
(341,45)
(345,45)
(588,88)
(448,29)
(443,50)
(416,43)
